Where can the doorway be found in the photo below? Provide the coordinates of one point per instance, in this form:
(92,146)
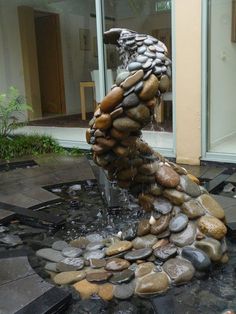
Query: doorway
(50,66)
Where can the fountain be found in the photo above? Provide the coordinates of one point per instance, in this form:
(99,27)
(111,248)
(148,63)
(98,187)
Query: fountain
(184,233)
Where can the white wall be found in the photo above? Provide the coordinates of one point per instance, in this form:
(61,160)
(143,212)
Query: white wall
(77,63)
(222,85)
(11,67)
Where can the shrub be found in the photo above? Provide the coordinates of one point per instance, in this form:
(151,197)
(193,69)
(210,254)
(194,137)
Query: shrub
(12,105)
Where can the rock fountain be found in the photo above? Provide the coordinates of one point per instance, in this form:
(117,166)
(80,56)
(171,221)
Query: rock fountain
(185,233)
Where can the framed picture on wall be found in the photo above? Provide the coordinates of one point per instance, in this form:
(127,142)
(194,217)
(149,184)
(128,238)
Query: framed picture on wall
(233,30)
(84,39)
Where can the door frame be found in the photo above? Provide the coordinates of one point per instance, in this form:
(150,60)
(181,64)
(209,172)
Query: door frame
(26,16)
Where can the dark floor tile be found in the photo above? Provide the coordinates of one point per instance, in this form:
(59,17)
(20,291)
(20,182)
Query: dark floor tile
(6,215)
(213,185)
(197,171)
(14,268)
(18,294)
(163,304)
(212,172)
(232,178)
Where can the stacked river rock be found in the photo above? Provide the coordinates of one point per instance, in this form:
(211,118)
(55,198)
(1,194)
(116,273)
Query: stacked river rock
(186,231)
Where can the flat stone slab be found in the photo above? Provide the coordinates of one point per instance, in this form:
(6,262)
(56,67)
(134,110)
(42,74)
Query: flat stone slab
(6,215)
(212,172)
(29,216)
(31,293)
(232,178)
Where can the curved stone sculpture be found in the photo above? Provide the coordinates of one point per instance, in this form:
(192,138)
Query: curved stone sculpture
(186,220)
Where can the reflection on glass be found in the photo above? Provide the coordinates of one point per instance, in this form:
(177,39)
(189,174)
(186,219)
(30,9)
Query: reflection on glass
(150,17)
(222,80)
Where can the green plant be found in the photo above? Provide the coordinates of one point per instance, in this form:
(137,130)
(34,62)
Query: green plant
(12,105)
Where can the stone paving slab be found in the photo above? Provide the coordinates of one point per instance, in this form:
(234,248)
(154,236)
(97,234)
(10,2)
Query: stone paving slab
(6,215)
(232,178)
(22,291)
(197,171)
(212,172)
(29,216)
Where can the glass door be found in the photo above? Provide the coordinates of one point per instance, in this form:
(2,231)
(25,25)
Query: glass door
(145,17)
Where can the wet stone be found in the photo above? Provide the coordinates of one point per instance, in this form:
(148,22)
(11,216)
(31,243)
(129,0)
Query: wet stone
(144,242)
(174,196)
(198,258)
(124,291)
(68,264)
(167,177)
(11,240)
(160,225)
(93,246)
(138,87)
(86,289)
(147,65)
(116,264)
(150,88)
(148,42)
(132,79)
(139,113)
(51,266)
(129,91)
(112,99)
(79,243)
(98,276)
(106,291)
(130,233)
(138,254)
(94,237)
(193,209)
(141,58)
(122,76)
(50,255)
(134,66)
(189,187)
(211,206)
(130,101)
(142,49)
(118,247)
(150,54)
(185,237)
(144,269)
(212,227)
(211,247)
(147,74)
(143,227)
(97,263)
(126,124)
(152,284)
(98,254)
(162,206)
(165,252)
(180,270)
(71,252)
(69,277)
(178,223)
(59,245)
(122,277)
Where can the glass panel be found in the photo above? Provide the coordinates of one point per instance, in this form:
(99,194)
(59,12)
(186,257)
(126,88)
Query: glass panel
(154,18)
(48,51)
(222,79)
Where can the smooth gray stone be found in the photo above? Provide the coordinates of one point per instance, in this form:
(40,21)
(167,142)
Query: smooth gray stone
(69,263)
(133,66)
(165,252)
(138,254)
(98,254)
(71,252)
(141,58)
(122,277)
(11,240)
(198,258)
(131,100)
(148,41)
(124,291)
(162,206)
(147,74)
(189,187)
(51,267)
(160,49)
(94,246)
(138,87)
(185,237)
(179,270)
(121,77)
(147,65)
(178,223)
(130,233)
(94,237)
(59,245)
(157,70)
(150,54)
(50,255)
(142,49)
